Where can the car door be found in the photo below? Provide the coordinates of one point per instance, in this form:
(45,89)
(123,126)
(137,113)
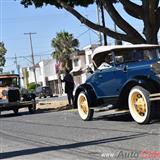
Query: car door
(108,82)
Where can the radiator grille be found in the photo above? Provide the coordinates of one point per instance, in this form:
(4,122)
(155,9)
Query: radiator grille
(13,95)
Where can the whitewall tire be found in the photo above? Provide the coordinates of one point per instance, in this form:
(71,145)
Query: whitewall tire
(139,105)
(84,111)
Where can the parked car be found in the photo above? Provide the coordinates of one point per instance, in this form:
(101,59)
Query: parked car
(10,96)
(124,77)
(43,92)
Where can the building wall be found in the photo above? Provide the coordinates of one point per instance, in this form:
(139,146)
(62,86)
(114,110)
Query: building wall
(45,74)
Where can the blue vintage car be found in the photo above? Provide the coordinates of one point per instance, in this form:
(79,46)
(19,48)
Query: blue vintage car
(125,77)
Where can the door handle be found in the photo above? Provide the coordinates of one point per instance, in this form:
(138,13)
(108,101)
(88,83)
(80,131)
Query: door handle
(125,69)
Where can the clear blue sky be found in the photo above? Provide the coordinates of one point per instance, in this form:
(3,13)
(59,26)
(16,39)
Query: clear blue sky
(46,22)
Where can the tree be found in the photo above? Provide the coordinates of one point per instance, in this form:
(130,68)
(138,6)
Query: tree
(147,11)
(2,54)
(64,44)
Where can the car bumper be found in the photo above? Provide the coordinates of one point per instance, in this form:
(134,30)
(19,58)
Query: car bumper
(6,106)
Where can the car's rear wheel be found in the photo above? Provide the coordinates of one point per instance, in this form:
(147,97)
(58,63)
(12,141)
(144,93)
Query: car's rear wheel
(83,103)
(139,105)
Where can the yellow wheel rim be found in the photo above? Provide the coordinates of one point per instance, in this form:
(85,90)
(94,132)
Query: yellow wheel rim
(138,104)
(83,104)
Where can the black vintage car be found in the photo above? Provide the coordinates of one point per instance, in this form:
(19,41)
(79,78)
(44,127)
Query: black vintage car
(43,91)
(124,77)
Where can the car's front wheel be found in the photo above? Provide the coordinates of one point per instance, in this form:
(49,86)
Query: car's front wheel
(139,105)
(83,103)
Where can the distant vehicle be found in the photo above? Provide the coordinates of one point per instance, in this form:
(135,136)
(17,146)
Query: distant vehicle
(10,96)
(43,92)
(124,77)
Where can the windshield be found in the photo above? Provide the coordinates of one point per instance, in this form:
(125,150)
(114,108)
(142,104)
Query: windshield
(10,82)
(137,55)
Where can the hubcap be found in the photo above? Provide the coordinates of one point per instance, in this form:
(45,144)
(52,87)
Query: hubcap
(83,104)
(138,103)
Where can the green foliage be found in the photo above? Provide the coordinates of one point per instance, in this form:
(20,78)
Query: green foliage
(31,87)
(2,54)
(64,44)
(40,3)
(147,11)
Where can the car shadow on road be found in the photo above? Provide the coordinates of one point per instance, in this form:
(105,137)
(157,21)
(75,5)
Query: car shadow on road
(62,108)
(125,117)
(121,117)
(38,111)
(31,151)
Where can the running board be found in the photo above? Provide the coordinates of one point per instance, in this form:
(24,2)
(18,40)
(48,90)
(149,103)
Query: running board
(103,108)
(154,97)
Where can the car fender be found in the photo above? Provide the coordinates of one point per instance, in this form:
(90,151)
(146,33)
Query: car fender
(142,81)
(89,91)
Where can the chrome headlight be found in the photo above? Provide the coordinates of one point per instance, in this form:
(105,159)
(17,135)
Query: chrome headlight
(4,92)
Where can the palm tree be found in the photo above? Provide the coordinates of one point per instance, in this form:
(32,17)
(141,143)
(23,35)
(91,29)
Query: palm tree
(64,45)
(2,55)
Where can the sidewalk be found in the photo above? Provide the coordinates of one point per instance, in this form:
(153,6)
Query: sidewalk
(58,103)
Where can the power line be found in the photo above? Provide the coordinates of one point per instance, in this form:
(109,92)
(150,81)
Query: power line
(29,56)
(83,33)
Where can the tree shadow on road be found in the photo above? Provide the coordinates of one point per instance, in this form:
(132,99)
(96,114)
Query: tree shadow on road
(31,151)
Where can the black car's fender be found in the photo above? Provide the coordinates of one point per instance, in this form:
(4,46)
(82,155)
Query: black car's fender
(88,91)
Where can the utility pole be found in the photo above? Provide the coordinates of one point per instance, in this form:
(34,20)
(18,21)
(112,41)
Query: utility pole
(33,63)
(115,30)
(18,69)
(117,42)
(103,24)
(101,10)
(98,19)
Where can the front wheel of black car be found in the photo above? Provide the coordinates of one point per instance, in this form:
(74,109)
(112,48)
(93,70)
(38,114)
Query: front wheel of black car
(84,111)
(139,105)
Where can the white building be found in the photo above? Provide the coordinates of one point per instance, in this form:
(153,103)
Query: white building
(81,60)
(45,74)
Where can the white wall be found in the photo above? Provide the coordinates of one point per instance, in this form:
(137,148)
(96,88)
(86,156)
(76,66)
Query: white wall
(48,70)
(45,70)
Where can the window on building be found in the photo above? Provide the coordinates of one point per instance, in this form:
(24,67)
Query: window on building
(89,58)
(76,62)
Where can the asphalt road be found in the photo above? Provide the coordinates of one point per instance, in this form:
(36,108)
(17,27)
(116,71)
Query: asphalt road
(64,136)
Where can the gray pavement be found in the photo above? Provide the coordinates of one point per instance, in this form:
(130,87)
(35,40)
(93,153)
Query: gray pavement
(64,136)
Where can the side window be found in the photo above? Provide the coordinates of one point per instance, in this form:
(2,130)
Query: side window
(109,59)
(107,62)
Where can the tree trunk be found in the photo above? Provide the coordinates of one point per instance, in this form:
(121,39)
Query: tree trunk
(150,22)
